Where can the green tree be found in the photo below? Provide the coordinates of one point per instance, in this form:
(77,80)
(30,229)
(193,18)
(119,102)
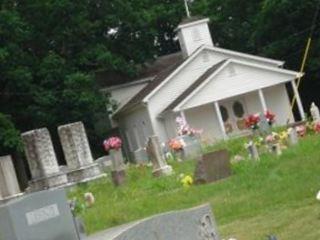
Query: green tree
(9,137)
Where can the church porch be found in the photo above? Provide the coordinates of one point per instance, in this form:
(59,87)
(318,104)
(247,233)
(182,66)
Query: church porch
(224,118)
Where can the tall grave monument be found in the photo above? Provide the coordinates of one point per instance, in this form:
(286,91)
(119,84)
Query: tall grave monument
(75,144)
(42,161)
(9,187)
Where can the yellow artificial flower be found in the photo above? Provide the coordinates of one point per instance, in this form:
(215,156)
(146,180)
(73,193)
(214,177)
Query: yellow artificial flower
(187,181)
(283,135)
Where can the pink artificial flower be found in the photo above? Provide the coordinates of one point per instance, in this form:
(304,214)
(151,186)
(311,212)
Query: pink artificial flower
(185,129)
(316,127)
(301,130)
(270,138)
(112,143)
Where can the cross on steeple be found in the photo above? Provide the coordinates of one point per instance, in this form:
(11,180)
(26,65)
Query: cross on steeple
(187,8)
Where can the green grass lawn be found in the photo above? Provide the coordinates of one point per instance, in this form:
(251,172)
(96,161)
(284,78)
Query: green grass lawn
(276,195)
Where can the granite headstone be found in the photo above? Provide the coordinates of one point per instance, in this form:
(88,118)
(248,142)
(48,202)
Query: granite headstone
(212,167)
(43,215)
(191,224)
(191,147)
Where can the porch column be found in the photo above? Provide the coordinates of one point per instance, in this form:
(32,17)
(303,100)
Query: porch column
(183,116)
(262,100)
(218,112)
(299,103)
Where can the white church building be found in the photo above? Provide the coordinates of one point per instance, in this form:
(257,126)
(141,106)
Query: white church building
(213,88)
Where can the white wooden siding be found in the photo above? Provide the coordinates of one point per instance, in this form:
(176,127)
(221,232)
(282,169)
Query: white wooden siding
(137,127)
(173,88)
(171,125)
(278,102)
(205,118)
(193,37)
(235,80)
(124,94)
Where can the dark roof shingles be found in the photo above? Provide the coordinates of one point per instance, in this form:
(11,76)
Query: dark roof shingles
(153,84)
(191,19)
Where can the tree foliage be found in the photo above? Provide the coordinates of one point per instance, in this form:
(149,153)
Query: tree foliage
(9,136)
(50,49)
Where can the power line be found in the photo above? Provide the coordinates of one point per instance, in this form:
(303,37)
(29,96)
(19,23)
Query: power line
(306,52)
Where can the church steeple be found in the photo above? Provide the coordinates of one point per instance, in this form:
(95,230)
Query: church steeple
(193,32)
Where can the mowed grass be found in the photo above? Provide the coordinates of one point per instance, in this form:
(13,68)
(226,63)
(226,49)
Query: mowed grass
(273,196)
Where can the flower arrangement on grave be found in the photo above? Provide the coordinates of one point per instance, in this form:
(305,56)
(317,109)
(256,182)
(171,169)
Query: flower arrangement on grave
(89,199)
(274,143)
(112,143)
(259,141)
(252,121)
(301,130)
(283,137)
(270,117)
(186,180)
(316,127)
(175,145)
(252,149)
(272,138)
(185,129)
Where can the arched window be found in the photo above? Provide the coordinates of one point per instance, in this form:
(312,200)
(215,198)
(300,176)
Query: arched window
(238,109)
(224,113)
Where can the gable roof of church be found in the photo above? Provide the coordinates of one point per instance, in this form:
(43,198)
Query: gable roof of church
(201,81)
(162,77)
(150,69)
(196,84)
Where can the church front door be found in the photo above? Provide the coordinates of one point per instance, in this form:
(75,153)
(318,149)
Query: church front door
(233,114)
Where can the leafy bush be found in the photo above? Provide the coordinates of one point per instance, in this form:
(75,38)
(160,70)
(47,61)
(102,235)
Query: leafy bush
(10,140)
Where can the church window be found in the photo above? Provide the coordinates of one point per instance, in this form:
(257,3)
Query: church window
(238,109)
(224,113)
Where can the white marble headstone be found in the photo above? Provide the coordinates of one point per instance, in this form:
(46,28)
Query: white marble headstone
(314,110)
(9,186)
(75,145)
(154,150)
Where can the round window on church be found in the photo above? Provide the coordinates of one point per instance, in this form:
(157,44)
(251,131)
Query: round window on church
(238,109)
(224,113)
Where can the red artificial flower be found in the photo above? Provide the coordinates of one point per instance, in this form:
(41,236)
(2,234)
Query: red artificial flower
(252,121)
(270,117)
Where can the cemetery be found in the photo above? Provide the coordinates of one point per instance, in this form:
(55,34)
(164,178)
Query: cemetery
(204,143)
(244,181)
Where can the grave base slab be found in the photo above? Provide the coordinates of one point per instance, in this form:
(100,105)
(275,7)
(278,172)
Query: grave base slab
(85,174)
(58,180)
(163,171)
